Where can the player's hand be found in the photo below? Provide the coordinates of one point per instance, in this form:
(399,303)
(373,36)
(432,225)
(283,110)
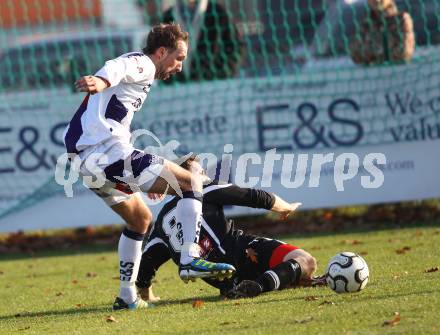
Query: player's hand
(147,294)
(286,212)
(91,84)
(155,196)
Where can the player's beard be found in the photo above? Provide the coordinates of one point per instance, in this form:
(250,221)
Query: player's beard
(162,74)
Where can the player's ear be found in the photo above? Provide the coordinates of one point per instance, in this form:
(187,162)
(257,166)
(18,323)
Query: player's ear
(161,52)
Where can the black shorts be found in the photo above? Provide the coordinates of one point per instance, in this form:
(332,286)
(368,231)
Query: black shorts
(251,256)
(255,255)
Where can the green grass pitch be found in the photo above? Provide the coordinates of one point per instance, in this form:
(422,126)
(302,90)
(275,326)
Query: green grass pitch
(62,293)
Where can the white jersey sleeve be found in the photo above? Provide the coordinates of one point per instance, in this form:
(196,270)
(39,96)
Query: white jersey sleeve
(128,68)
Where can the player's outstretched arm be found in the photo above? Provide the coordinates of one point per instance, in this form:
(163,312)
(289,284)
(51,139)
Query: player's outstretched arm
(284,208)
(155,254)
(230,194)
(91,84)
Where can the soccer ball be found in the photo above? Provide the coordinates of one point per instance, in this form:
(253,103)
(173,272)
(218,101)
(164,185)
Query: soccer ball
(347,272)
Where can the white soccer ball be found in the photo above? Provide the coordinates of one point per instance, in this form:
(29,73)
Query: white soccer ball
(347,272)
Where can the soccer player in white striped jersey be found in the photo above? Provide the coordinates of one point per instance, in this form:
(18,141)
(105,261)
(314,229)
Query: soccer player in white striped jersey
(99,134)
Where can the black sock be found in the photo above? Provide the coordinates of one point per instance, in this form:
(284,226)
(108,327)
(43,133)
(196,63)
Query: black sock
(281,276)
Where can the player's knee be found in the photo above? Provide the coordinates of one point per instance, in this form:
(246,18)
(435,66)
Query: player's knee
(140,222)
(312,265)
(306,261)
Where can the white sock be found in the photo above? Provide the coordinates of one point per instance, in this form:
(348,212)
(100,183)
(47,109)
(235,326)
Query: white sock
(189,213)
(130,254)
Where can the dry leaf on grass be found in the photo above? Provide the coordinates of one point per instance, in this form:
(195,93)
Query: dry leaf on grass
(116,278)
(403,250)
(431,270)
(352,242)
(59,294)
(110,318)
(315,248)
(394,321)
(305,320)
(74,281)
(311,298)
(326,302)
(91,274)
(197,303)
(25,328)
(79,305)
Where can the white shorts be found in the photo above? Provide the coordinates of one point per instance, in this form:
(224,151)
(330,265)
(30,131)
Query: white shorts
(122,177)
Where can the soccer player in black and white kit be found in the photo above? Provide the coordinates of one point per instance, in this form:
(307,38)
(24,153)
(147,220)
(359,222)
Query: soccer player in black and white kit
(262,264)
(99,135)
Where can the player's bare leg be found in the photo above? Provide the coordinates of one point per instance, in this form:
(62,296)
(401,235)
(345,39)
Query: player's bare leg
(178,181)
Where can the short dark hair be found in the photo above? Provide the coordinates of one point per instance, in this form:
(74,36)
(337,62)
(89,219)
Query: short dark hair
(187,163)
(164,35)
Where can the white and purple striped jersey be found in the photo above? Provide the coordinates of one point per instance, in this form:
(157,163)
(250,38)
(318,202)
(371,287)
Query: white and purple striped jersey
(106,117)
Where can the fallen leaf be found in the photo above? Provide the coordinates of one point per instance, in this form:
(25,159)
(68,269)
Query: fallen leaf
(394,321)
(237,303)
(363,253)
(432,270)
(197,303)
(110,318)
(311,298)
(59,294)
(352,242)
(252,255)
(305,320)
(403,250)
(74,281)
(91,274)
(116,278)
(326,302)
(79,305)
(25,328)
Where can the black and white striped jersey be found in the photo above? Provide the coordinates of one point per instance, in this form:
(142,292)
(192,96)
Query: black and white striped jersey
(165,238)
